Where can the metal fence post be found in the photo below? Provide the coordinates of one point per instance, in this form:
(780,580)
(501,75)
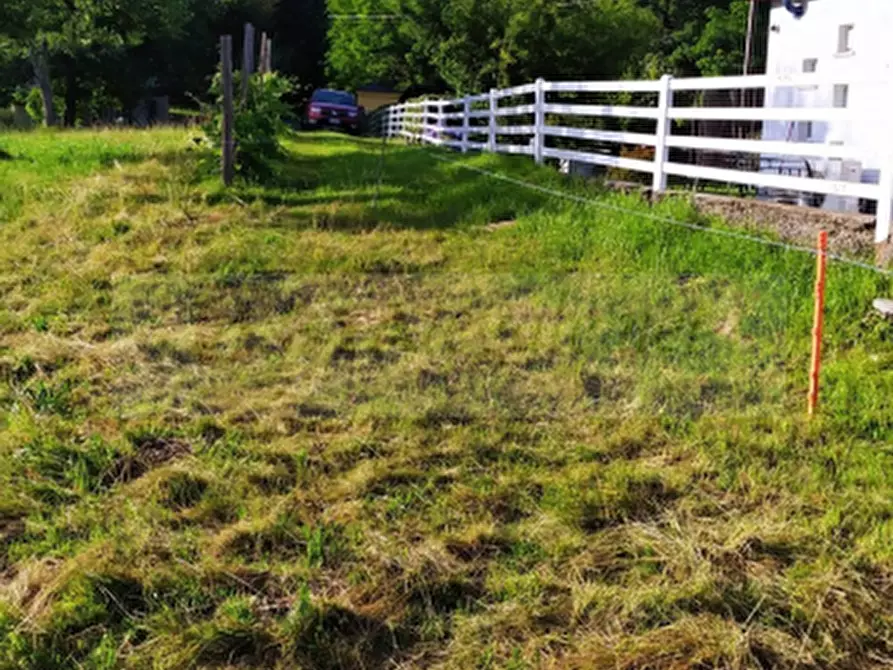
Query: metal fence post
(491,132)
(466,112)
(539,138)
(665,101)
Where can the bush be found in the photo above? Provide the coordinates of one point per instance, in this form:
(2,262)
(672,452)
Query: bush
(258,124)
(34,105)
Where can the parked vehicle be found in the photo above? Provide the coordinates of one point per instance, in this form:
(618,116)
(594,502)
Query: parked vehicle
(334,109)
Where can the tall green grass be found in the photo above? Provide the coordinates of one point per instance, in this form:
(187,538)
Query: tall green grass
(385,411)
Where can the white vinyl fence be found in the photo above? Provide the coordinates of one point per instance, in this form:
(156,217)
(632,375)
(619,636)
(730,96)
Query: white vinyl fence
(533,118)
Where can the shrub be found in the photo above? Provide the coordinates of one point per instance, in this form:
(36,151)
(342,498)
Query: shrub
(7,118)
(258,123)
(34,105)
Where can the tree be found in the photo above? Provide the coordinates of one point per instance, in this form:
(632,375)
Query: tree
(367,43)
(70,30)
(471,45)
(692,29)
(299,33)
(719,49)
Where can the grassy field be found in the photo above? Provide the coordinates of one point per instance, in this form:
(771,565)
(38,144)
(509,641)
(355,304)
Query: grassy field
(437,422)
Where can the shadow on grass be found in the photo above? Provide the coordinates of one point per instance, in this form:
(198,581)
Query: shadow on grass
(345,183)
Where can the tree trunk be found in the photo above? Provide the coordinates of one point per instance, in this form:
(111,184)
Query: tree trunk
(39,62)
(71,93)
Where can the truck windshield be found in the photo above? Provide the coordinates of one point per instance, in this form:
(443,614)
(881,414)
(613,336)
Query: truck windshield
(333,97)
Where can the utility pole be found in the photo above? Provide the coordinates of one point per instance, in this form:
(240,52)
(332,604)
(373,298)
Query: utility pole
(746,96)
(748,42)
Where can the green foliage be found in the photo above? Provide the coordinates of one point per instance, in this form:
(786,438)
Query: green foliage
(259,124)
(92,22)
(719,49)
(471,45)
(704,37)
(34,105)
(104,56)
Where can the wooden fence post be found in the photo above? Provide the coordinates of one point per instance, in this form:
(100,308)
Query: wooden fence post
(266,54)
(226,66)
(665,101)
(539,139)
(247,60)
(491,131)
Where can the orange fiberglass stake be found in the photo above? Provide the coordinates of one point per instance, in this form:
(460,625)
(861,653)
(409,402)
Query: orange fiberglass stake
(816,367)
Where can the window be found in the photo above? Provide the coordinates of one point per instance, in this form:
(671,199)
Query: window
(810,65)
(841,95)
(804,131)
(844,33)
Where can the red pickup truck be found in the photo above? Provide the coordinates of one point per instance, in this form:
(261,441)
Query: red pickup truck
(334,109)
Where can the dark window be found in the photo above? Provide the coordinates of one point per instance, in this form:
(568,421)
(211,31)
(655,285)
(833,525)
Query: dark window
(841,95)
(333,98)
(844,34)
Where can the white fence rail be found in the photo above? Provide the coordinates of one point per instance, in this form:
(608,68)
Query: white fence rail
(527,119)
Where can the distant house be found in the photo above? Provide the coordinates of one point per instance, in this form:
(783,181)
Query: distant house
(846,43)
(373,96)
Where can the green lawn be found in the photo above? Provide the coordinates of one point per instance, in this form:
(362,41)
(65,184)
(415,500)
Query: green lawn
(343,421)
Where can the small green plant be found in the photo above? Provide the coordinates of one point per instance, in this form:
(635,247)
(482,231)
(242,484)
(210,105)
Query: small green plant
(7,118)
(33,102)
(259,122)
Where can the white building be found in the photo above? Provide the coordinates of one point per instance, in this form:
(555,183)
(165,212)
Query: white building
(848,45)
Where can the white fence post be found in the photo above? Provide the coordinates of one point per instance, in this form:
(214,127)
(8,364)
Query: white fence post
(435,129)
(491,132)
(466,111)
(665,101)
(885,202)
(885,189)
(539,139)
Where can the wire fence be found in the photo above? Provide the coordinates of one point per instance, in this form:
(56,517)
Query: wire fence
(662,219)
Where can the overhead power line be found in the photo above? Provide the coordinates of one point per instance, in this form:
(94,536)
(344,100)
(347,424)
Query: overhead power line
(365,17)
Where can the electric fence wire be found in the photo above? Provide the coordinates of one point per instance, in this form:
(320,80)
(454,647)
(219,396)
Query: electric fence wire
(659,218)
